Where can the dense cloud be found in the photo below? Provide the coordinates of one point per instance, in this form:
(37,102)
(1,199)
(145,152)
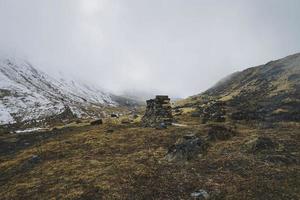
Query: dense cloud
(176,47)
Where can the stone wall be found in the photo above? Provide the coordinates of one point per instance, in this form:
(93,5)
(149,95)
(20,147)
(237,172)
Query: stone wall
(158,111)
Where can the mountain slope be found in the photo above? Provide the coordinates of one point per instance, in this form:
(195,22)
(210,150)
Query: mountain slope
(278,76)
(28,94)
(272,91)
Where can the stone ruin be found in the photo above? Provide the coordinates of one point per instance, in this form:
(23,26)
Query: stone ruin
(158,112)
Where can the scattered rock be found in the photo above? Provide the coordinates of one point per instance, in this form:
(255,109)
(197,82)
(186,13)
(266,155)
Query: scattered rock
(126,121)
(177,110)
(158,111)
(187,149)
(91,193)
(189,136)
(195,114)
(97,122)
(263,143)
(246,115)
(135,116)
(161,126)
(110,130)
(213,111)
(200,194)
(34,159)
(177,114)
(259,144)
(217,132)
(114,115)
(66,116)
(78,121)
(281,159)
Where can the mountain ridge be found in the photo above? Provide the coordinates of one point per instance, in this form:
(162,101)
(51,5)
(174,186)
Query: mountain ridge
(270,91)
(27,93)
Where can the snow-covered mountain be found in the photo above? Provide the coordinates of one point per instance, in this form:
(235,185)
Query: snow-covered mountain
(28,94)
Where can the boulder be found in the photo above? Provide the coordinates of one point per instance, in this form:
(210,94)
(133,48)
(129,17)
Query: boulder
(195,114)
(259,144)
(200,194)
(135,116)
(34,159)
(213,111)
(187,149)
(218,132)
(161,126)
(110,130)
(177,110)
(281,159)
(114,115)
(78,121)
(263,143)
(126,121)
(97,122)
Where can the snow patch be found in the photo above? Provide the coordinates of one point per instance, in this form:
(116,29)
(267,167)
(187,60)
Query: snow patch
(31,130)
(5,117)
(29,94)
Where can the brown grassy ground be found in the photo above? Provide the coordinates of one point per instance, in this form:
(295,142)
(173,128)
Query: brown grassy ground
(90,163)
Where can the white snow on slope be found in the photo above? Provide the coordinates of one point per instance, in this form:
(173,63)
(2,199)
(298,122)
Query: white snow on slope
(5,117)
(27,93)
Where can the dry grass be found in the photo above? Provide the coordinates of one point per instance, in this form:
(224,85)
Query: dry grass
(90,163)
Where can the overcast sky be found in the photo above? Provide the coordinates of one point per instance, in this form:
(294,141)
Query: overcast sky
(176,47)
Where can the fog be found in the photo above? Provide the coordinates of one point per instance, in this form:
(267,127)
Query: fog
(174,47)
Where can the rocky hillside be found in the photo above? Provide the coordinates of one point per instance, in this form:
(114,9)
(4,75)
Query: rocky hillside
(266,92)
(27,94)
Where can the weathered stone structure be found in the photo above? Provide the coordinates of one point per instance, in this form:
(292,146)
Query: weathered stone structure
(158,112)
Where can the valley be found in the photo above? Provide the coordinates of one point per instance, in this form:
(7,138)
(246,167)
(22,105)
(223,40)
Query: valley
(237,140)
(124,161)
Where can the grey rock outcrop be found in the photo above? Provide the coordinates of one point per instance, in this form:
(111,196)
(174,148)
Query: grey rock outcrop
(187,149)
(97,122)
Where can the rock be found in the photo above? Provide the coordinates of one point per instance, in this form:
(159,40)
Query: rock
(135,116)
(246,115)
(187,149)
(177,110)
(217,132)
(78,121)
(195,114)
(281,159)
(162,126)
(110,130)
(114,115)
(34,159)
(126,121)
(200,194)
(189,136)
(213,111)
(97,122)
(177,114)
(259,144)
(263,143)
(158,111)
(91,193)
